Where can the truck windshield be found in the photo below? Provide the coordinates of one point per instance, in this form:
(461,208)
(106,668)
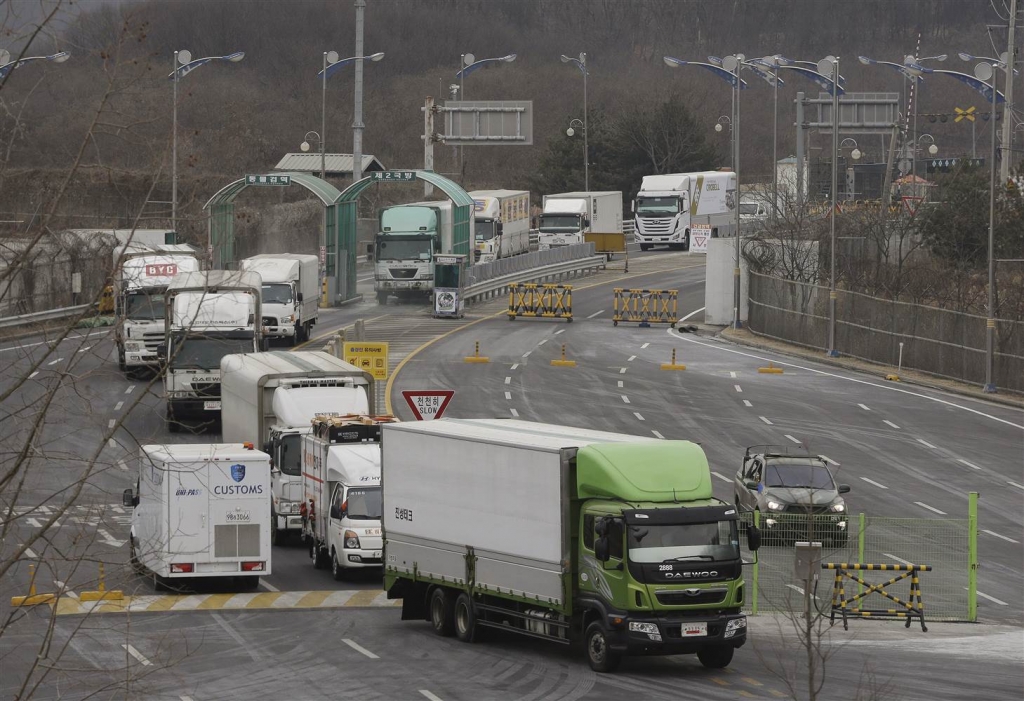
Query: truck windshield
(291,454)
(143,306)
(697,541)
(404,248)
(748,208)
(363,503)
(657,205)
(560,222)
(205,353)
(277,294)
(484,230)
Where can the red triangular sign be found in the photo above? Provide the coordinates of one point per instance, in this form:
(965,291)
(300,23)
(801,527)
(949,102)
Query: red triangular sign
(428,404)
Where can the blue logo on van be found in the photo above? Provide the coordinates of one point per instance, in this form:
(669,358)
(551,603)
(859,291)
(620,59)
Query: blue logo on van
(238,472)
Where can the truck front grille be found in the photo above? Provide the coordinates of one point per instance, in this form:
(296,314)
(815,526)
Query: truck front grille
(807,509)
(655,226)
(682,598)
(402,273)
(206,389)
(152,340)
(269,321)
(236,540)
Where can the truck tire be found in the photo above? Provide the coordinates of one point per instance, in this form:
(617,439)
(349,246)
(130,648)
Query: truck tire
(276,534)
(442,612)
(121,365)
(172,425)
(133,557)
(247,583)
(382,298)
(337,571)
(715,656)
(465,618)
(600,657)
(316,554)
(645,247)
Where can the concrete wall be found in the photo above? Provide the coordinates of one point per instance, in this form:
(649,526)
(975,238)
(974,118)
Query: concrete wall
(718,285)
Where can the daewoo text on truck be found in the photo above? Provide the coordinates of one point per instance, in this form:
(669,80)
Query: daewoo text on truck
(408,237)
(209,315)
(566,217)
(564,534)
(271,399)
(502,226)
(341,482)
(291,293)
(668,206)
(201,511)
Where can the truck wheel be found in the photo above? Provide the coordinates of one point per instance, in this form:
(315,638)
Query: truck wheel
(172,425)
(599,655)
(337,571)
(276,534)
(645,247)
(382,298)
(121,365)
(246,583)
(442,612)
(133,557)
(715,657)
(315,554)
(465,619)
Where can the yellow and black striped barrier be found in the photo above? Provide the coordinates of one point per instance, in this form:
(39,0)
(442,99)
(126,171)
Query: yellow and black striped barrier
(645,306)
(106,305)
(914,608)
(546,301)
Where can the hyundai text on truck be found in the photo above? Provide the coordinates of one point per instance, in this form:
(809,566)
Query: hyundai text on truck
(669,206)
(272,398)
(341,483)
(502,226)
(566,217)
(141,275)
(564,534)
(291,293)
(408,237)
(201,511)
(209,315)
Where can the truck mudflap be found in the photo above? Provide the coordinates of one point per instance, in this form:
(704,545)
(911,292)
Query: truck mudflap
(662,635)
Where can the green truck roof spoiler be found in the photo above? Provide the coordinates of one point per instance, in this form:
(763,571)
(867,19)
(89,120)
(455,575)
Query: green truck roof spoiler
(659,471)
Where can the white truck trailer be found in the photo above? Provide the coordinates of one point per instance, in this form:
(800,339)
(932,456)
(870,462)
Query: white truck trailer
(502,226)
(566,217)
(291,293)
(141,275)
(341,482)
(669,206)
(408,238)
(201,511)
(209,315)
(272,398)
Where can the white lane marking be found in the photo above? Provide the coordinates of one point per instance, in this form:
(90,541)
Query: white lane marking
(738,388)
(47,343)
(514,412)
(622,371)
(746,402)
(109,539)
(514,366)
(644,346)
(625,399)
(33,374)
(993,599)
(630,359)
(722,477)
(695,311)
(1014,484)
(657,434)
(889,387)
(795,440)
(268,586)
(431,696)
(930,508)
(898,559)
(887,421)
(33,522)
(924,442)
(559,331)
(877,484)
(185,698)
(82,350)
(596,314)
(864,407)
(766,420)
(732,374)
(508,380)
(542,342)
(359,648)
(829,460)
(31,554)
(508,395)
(110,424)
(998,535)
(54,362)
(638,416)
(130,389)
(120,463)
(972,466)
(111,443)
(117,407)
(527,354)
(620,384)
(64,587)
(799,590)
(136,654)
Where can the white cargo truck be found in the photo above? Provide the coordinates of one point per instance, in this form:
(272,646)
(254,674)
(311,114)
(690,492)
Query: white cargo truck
(201,511)
(341,482)
(209,315)
(502,226)
(291,293)
(271,400)
(408,238)
(566,217)
(668,206)
(141,275)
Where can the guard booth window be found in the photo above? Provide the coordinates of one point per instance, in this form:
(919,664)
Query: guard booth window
(446,276)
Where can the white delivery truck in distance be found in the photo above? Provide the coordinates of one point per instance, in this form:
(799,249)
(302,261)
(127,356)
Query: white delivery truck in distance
(668,206)
(566,217)
(291,293)
(341,481)
(502,226)
(201,511)
(272,398)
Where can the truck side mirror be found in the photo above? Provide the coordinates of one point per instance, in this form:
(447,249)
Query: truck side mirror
(161,351)
(336,512)
(128,498)
(753,538)
(586,221)
(299,296)
(601,549)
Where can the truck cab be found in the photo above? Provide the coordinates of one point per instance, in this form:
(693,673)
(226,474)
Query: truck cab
(563,223)
(660,220)
(290,295)
(502,224)
(408,238)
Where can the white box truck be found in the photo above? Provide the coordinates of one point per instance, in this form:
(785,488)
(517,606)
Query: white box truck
(272,398)
(209,315)
(141,275)
(669,205)
(566,217)
(201,511)
(291,293)
(564,534)
(502,226)
(408,237)
(341,482)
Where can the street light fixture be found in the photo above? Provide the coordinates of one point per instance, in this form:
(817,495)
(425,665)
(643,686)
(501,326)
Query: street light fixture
(581,63)
(183,65)
(829,66)
(7,65)
(469,64)
(331,64)
(304,146)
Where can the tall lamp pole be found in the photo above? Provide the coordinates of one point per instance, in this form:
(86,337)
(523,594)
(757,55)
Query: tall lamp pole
(829,66)
(985,72)
(581,63)
(468,65)
(331,64)
(7,65)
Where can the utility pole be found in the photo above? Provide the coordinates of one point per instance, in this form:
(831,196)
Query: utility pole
(1004,166)
(428,142)
(357,120)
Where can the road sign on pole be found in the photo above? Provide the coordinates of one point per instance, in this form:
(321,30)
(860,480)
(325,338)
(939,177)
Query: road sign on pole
(428,404)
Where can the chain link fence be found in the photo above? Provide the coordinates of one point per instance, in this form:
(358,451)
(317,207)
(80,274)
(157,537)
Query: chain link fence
(937,341)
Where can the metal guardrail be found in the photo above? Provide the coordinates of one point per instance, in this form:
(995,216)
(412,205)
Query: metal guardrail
(11,322)
(488,280)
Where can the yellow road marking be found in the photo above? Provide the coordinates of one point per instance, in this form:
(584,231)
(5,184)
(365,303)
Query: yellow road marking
(752,682)
(312,599)
(364,598)
(164,603)
(263,601)
(720,682)
(215,601)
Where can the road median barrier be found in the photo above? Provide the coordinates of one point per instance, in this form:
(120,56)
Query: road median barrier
(563,363)
(645,306)
(33,599)
(770,369)
(476,357)
(850,607)
(102,593)
(540,301)
(673,365)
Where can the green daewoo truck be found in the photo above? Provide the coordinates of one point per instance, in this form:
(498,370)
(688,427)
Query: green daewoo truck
(565,534)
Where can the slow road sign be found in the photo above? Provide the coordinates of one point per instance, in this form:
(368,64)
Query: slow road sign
(428,404)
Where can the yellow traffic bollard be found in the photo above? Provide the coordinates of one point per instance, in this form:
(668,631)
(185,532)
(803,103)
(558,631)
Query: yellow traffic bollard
(563,363)
(770,370)
(673,365)
(32,599)
(476,357)
(101,593)
(892,377)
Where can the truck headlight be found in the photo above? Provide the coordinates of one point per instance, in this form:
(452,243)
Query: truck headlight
(286,507)
(839,508)
(651,629)
(775,506)
(132,346)
(351,540)
(736,624)
(291,318)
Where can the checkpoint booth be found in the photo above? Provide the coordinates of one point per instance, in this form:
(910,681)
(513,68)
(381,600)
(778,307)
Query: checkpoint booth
(449,283)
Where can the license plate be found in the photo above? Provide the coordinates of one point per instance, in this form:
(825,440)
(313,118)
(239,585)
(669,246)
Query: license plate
(694,630)
(376,554)
(211,406)
(372,531)
(238,516)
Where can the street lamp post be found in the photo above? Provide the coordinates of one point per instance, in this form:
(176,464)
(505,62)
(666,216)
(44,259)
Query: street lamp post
(183,65)
(829,66)
(7,65)
(468,64)
(723,120)
(575,124)
(331,64)
(985,72)
(855,154)
(581,63)
(1001,63)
